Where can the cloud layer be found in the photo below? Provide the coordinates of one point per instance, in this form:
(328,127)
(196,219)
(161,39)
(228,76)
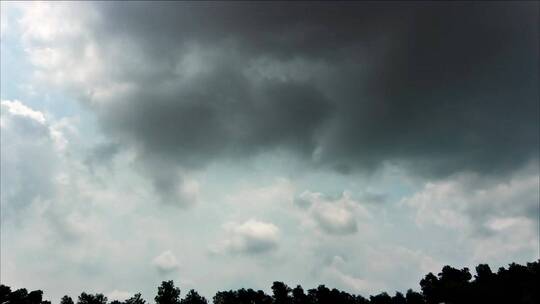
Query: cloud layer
(348,86)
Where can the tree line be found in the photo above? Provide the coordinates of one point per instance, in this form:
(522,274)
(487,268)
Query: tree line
(517,284)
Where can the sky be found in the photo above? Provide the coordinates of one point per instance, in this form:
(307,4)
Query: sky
(224,145)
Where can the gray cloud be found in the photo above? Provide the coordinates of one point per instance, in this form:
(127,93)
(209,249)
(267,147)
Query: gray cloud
(438,88)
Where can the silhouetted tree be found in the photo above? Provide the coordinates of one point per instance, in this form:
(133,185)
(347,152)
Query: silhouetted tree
(224,297)
(18,296)
(414,297)
(262,298)
(361,300)
(97,298)
(34,297)
(516,284)
(5,293)
(66,300)
(399,298)
(281,293)
(382,298)
(192,297)
(454,284)
(321,295)
(136,299)
(430,289)
(298,296)
(167,293)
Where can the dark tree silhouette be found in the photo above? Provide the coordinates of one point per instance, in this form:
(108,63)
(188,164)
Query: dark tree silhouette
(299,296)
(382,298)
(167,293)
(281,293)
(136,299)
(5,293)
(18,296)
(414,297)
(66,300)
(399,298)
(516,284)
(97,298)
(35,296)
(192,297)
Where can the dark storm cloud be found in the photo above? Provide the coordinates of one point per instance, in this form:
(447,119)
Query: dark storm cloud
(439,87)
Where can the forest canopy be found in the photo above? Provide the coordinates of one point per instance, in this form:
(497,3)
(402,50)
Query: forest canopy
(515,284)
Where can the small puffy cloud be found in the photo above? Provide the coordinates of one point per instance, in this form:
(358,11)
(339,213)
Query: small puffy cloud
(333,215)
(166,262)
(251,237)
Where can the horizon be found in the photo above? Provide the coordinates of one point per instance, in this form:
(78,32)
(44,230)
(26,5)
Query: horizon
(359,145)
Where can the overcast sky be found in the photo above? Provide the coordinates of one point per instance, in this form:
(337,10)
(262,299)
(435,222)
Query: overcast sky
(227,145)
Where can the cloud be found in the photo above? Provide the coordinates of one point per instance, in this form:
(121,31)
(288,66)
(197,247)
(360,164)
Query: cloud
(511,236)
(470,200)
(307,198)
(499,218)
(337,271)
(333,215)
(119,295)
(334,219)
(373,269)
(17,108)
(337,92)
(250,237)
(28,158)
(166,262)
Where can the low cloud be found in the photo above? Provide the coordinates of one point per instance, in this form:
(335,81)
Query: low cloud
(166,262)
(470,200)
(337,216)
(499,218)
(250,237)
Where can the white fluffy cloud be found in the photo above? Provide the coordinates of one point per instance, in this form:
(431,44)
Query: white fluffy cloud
(166,262)
(251,237)
(15,107)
